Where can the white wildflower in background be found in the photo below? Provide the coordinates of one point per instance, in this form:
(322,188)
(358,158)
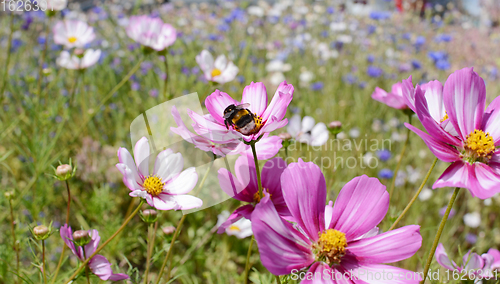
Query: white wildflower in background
(472,220)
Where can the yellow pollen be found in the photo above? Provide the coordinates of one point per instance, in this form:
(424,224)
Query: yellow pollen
(331,246)
(445,117)
(234,228)
(256,197)
(153,185)
(479,143)
(72,39)
(216,72)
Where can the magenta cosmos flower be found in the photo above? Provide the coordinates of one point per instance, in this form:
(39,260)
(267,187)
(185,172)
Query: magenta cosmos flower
(73,33)
(167,186)
(393,99)
(466,135)
(223,142)
(151,32)
(267,117)
(244,187)
(332,241)
(99,265)
(473,264)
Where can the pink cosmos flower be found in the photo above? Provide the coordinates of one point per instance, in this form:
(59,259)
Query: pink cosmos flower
(393,99)
(224,142)
(268,117)
(151,32)
(84,61)
(73,33)
(244,187)
(466,136)
(334,239)
(472,263)
(167,186)
(220,71)
(99,265)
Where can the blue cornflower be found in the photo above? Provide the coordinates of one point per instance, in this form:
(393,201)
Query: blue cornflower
(370,58)
(317,86)
(374,71)
(380,15)
(443,38)
(385,174)
(416,64)
(443,64)
(384,155)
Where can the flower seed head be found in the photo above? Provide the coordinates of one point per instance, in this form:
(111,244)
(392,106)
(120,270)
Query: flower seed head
(149,216)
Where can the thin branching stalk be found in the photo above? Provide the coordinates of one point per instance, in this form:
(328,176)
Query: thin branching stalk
(105,243)
(247,263)
(86,267)
(64,244)
(43,262)
(393,183)
(149,249)
(167,257)
(69,202)
(257,169)
(42,60)
(439,232)
(165,82)
(415,196)
(14,240)
(7,61)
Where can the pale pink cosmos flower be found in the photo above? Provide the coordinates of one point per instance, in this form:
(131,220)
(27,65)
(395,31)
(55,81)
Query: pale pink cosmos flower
(151,32)
(466,136)
(334,239)
(392,99)
(98,265)
(73,61)
(267,117)
(220,71)
(473,265)
(73,33)
(223,142)
(167,186)
(244,187)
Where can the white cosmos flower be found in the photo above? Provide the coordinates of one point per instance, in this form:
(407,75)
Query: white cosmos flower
(240,229)
(68,61)
(276,78)
(306,131)
(151,32)
(220,71)
(472,220)
(73,33)
(56,5)
(277,65)
(166,186)
(425,194)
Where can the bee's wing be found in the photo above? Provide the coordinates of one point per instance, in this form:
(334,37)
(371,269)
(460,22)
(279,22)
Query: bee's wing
(227,115)
(245,105)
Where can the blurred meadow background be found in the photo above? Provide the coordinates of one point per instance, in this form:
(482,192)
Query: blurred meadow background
(333,52)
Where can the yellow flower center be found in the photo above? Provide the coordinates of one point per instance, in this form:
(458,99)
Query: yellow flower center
(216,72)
(331,246)
(153,185)
(234,228)
(72,39)
(479,145)
(445,117)
(256,197)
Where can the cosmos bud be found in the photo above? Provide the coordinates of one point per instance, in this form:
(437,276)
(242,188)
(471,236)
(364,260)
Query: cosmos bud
(149,216)
(285,136)
(168,230)
(335,127)
(42,232)
(65,171)
(10,194)
(81,237)
(79,51)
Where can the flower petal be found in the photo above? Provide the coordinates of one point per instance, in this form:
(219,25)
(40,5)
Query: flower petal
(277,239)
(255,94)
(443,259)
(307,124)
(379,273)
(125,158)
(244,211)
(441,150)
(168,164)
(101,267)
(67,236)
(319,273)
(141,155)
(271,173)
(93,244)
(361,205)
(491,120)
(217,102)
(206,61)
(233,187)
(294,125)
(129,178)
(434,96)
(183,182)
(176,202)
(464,100)
(280,102)
(388,247)
(486,182)
(305,195)
(456,175)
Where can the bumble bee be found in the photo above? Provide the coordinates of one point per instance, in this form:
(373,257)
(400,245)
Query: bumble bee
(242,119)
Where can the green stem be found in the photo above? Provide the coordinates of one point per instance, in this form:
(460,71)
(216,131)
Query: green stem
(278,281)
(165,82)
(415,196)
(7,61)
(42,60)
(167,257)
(257,169)
(14,240)
(393,183)
(150,248)
(106,242)
(73,89)
(439,232)
(69,202)
(247,264)
(43,262)
(86,267)
(64,244)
